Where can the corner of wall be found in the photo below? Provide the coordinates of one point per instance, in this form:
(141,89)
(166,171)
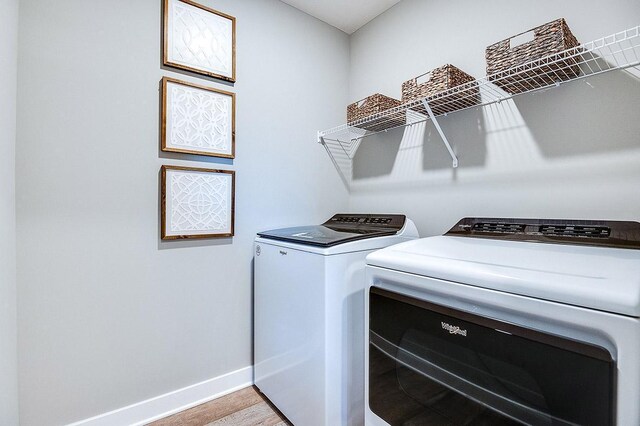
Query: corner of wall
(8,301)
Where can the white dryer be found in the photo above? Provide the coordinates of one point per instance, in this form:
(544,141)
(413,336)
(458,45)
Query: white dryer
(309,315)
(506,322)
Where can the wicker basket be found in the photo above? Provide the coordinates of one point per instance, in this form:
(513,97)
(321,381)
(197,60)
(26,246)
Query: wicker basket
(551,38)
(371,105)
(440,80)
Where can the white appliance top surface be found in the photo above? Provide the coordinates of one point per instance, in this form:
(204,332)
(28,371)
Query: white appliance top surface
(601,278)
(350,247)
(401,230)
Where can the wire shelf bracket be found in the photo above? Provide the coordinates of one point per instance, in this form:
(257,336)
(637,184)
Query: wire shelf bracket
(433,118)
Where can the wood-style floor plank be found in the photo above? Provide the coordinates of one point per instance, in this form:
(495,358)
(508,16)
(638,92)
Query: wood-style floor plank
(257,415)
(246,407)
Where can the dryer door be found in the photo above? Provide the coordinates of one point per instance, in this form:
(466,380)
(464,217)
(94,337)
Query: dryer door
(429,364)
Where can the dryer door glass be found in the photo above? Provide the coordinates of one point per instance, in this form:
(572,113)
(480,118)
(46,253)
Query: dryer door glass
(429,364)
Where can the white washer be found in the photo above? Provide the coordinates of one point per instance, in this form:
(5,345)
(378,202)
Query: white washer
(506,321)
(308,315)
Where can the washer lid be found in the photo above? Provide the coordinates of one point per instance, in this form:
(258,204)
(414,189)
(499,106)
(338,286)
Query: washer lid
(601,278)
(341,228)
(322,236)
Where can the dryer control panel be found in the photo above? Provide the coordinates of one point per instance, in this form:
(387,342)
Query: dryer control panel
(604,233)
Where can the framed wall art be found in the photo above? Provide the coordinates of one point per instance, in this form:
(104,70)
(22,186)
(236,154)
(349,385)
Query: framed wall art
(197,203)
(197,119)
(199,39)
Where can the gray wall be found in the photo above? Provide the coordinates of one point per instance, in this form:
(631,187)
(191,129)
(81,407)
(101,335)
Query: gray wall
(570,152)
(8,342)
(108,314)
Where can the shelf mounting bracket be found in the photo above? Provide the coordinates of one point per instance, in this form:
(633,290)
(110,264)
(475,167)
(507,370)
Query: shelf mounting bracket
(433,118)
(321,138)
(322,142)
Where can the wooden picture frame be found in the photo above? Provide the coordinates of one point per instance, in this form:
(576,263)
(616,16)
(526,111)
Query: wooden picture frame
(211,52)
(197,203)
(197,119)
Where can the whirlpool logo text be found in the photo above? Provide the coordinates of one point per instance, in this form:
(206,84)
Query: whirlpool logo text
(453,329)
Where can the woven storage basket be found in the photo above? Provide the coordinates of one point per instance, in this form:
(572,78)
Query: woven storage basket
(372,105)
(440,80)
(549,39)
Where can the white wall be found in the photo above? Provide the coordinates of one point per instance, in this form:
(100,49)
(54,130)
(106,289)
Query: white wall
(108,314)
(570,152)
(8,342)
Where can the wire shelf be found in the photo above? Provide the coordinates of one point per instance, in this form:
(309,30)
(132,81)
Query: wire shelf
(614,52)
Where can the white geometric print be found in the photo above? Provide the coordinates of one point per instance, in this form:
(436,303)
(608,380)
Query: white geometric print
(198,202)
(200,39)
(199,120)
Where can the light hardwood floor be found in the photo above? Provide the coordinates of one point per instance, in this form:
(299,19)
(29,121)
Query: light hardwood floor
(246,407)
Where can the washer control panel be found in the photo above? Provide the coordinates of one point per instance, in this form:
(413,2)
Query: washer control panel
(389,221)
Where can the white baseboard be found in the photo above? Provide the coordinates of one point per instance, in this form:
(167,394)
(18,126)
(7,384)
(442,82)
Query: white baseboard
(170,403)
